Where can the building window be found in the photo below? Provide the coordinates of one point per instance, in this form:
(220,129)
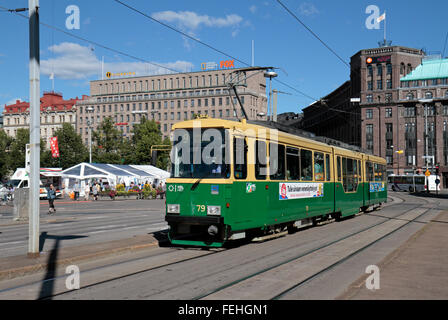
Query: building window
(369,137)
(379,84)
(389,68)
(428,95)
(369,98)
(369,114)
(410,96)
(388,113)
(379,70)
(409,111)
(388,84)
(369,85)
(388,97)
(370,70)
(434,82)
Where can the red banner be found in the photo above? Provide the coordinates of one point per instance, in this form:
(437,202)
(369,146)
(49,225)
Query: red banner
(54,147)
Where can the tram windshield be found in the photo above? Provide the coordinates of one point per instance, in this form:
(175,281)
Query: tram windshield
(200,153)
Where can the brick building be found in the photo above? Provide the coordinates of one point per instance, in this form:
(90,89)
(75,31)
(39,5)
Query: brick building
(171,98)
(54,111)
(378,109)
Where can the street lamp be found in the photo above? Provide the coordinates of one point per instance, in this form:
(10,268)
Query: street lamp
(426,102)
(270,75)
(89,124)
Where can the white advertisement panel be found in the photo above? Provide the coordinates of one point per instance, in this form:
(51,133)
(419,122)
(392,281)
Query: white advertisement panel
(300,190)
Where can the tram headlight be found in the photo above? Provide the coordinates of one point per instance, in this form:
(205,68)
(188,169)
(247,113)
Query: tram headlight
(173,208)
(214,210)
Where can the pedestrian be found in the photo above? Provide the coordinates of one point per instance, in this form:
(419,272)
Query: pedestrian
(76,190)
(95,191)
(51,195)
(86,192)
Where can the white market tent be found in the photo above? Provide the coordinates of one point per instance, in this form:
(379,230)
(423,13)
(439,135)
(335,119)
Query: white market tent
(111,174)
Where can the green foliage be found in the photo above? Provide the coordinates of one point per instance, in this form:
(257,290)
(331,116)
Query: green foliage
(5,143)
(108,143)
(71,149)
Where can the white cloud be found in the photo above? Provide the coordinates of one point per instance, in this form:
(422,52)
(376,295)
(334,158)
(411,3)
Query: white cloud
(253,8)
(308,9)
(75,62)
(191,20)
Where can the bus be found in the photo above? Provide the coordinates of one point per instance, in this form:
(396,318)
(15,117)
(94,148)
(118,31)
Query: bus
(412,182)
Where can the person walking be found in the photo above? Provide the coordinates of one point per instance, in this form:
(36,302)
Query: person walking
(86,192)
(95,191)
(51,195)
(76,190)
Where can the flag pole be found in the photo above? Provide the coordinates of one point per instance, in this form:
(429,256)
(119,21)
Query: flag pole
(385,16)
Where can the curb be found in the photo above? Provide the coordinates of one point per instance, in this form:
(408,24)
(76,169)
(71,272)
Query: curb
(40,263)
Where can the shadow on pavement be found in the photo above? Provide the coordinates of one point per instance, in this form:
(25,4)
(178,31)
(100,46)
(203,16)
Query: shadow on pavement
(47,287)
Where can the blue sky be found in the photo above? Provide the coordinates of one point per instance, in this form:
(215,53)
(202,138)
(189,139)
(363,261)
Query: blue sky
(229,26)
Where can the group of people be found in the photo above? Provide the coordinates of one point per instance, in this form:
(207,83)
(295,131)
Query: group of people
(95,189)
(5,191)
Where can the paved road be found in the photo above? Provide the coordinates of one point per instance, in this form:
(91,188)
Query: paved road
(250,271)
(77,223)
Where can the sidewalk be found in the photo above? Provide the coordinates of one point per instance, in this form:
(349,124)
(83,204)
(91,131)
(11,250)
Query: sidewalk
(11,267)
(416,270)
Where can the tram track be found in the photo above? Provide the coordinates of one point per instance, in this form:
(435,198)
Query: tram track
(205,254)
(216,293)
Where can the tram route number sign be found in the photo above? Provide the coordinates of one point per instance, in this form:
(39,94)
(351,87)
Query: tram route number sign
(427,173)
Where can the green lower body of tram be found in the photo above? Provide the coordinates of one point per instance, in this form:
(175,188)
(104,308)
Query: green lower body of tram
(211,214)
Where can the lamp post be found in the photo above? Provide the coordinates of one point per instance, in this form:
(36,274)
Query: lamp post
(270,75)
(89,124)
(425,102)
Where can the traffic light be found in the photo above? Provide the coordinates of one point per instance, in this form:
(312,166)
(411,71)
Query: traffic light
(437,169)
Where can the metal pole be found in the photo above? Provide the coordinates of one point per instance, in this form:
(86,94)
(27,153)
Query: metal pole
(275,105)
(426,147)
(34,174)
(90,144)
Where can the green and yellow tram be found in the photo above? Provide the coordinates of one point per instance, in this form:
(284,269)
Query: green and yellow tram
(232,180)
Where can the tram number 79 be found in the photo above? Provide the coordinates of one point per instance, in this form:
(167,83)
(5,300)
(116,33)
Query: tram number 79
(200,207)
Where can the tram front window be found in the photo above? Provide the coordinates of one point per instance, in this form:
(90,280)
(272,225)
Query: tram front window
(200,153)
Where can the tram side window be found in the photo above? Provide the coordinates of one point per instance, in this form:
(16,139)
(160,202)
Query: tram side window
(306,164)
(348,175)
(277,161)
(260,160)
(339,169)
(327,166)
(369,173)
(319,166)
(292,164)
(240,158)
(378,173)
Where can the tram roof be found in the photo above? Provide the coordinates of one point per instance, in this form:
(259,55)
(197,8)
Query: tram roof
(311,137)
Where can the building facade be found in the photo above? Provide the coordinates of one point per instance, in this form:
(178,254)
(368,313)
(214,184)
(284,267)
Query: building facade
(54,111)
(379,108)
(171,98)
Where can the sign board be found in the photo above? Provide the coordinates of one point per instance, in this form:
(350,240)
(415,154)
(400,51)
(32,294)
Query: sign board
(381,59)
(427,173)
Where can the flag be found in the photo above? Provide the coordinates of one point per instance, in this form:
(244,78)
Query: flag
(52,76)
(381,17)
(54,147)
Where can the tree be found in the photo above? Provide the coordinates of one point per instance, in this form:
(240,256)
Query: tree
(71,149)
(18,149)
(145,135)
(5,143)
(108,147)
